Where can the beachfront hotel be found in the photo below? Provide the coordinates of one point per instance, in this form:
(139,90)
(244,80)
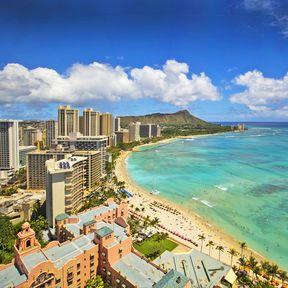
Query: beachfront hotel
(98,241)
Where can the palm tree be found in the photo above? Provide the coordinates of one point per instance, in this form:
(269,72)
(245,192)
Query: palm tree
(243,246)
(233,253)
(220,249)
(274,270)
(256,270)
(202,238)
(265,266)
(252,264)
(242,262)
(210,244)
(282,275)
(147,222)
(155,221)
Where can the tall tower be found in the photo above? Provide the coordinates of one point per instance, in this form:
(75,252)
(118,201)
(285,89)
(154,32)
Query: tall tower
(31,135)
(117,124)
(106,124)
(51,131)
(68,120)
(26,239)
(9,145)
(134,131)
(91,122)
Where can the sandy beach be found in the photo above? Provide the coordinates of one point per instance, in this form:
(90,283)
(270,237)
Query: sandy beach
(185,223)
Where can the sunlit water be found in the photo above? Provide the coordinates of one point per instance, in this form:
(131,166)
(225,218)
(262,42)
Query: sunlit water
(237,181)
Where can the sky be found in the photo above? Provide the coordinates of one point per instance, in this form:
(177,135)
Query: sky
(224,60)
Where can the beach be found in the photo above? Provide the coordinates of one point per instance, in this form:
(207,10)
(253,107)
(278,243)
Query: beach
(185,223)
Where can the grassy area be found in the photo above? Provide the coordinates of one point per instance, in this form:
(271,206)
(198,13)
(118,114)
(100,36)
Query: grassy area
(152,247)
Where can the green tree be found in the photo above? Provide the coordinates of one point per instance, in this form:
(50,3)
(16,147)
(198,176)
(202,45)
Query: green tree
(7,238)
(233,253)
(220,249)
(243,246)
(96,282)
(38,225)
(155,221)
(273,270)
(6,232)
(210,244)
(242,262)
(202,238)
(282,275)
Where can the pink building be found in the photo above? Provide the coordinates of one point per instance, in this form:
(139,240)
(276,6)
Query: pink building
(97,241)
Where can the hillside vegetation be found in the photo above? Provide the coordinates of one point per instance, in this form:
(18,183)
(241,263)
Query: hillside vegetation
(180,123)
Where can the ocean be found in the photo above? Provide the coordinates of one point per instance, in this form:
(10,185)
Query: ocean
(237,181)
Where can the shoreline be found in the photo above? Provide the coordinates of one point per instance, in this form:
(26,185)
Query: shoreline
(188,222)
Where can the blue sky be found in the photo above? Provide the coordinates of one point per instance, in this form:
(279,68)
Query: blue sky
(137,57)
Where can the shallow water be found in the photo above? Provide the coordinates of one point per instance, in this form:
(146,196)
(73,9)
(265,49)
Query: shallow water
(238,181)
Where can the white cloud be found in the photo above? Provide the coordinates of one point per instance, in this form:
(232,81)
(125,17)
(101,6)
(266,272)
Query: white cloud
(262,94)
(98,81)
(259,4)
(275,9)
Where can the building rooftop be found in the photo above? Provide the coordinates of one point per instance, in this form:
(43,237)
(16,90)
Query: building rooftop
(59,255)
(69,162)
(173,279)
(61,217)
(30,259)
(104,231)
(201,269)
(11,277)
(140,273)
(23,148)
(90,215)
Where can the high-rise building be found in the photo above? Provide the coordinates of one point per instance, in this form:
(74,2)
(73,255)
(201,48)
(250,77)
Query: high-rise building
(65,186)
(9,145)
(35,166)
(134,131)
(77,141)
(31,136)
(122,136)
(145,131)
(36,171)
(23,151)
(51,131)
(91,122)
(106,124)
(117,125)
(68,120)
(93,167)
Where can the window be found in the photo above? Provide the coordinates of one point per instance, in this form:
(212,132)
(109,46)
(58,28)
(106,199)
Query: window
(58,280)
(78,266)
(28,243)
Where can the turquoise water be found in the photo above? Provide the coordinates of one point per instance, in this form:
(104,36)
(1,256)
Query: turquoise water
(237,181)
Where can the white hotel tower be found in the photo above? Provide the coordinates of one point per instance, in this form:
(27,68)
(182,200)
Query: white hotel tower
(9,145)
